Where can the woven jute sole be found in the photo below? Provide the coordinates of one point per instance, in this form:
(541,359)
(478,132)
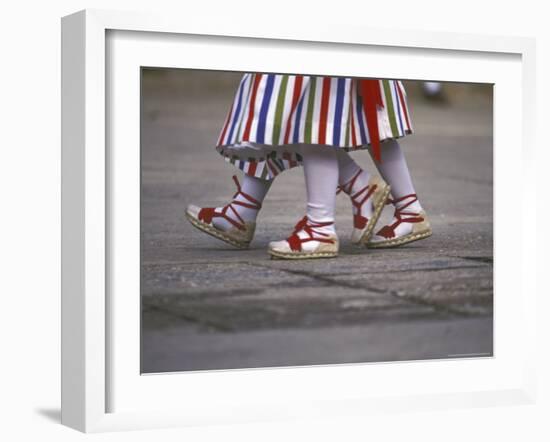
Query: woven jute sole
(396,242)
(207,228)
(301,255)
(375,216)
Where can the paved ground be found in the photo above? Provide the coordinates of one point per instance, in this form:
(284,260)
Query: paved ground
(207,306)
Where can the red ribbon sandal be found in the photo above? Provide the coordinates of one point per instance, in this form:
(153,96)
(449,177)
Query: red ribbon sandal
(242,232)
(387,235)
(291,248)
(377,191)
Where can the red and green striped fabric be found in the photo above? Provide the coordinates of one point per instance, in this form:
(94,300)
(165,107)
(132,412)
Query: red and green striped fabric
(274,113)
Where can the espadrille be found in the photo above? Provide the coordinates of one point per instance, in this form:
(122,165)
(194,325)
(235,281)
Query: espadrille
(376,191)
(242,232)
(306,242)
(419,229)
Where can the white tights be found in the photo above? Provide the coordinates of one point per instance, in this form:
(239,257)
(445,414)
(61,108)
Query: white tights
(321,176)
(257,189)
(393,168)
(324,169)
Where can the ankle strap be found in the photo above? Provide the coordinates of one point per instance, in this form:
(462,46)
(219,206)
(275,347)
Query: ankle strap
(401,216)
(208,213)
(305,221)
(346,188)
(308,226)
(413,197)
(253,203)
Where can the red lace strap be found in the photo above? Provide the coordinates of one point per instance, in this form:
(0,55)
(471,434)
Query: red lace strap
(308,226)
(300,224)
(401,216)
(253,203)
(206,214)
(346,188)
(358,199)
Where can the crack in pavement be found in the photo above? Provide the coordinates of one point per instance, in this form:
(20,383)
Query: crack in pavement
(418,269)
(344,284)
(192,263)
(185,317)
(483,259)
(324,280)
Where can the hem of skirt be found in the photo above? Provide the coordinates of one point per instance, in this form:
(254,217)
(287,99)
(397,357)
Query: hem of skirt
(268,166)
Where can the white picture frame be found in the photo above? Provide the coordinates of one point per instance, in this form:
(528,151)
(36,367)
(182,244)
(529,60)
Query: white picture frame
(87,354)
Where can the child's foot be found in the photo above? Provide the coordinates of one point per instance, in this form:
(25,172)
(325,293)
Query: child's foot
(233,223)
(368,197)
(309,240)
(409,224)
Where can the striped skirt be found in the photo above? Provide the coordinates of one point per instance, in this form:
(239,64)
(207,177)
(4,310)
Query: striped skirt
(272,115)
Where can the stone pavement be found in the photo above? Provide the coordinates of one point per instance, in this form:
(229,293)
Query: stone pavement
(206,305)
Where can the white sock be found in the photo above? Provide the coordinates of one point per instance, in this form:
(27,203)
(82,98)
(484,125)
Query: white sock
(395,172)
(254,187)
(347,169)
(321,176)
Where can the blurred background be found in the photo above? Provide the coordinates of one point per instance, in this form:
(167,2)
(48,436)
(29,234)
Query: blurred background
(206,305)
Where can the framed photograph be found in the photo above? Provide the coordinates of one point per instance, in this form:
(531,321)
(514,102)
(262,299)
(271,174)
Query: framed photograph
(368,258)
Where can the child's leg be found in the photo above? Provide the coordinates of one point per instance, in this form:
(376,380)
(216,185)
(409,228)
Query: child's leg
(321,176)
(314,236)
(253,187)
(368,196)
(409,222)
(395,172)
(352,180)
(235,222)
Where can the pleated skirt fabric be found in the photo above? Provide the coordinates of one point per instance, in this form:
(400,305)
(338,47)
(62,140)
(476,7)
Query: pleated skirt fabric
(272,115)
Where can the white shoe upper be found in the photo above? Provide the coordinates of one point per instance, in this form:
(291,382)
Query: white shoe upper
(193,210)
(306,238)
(400,230)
